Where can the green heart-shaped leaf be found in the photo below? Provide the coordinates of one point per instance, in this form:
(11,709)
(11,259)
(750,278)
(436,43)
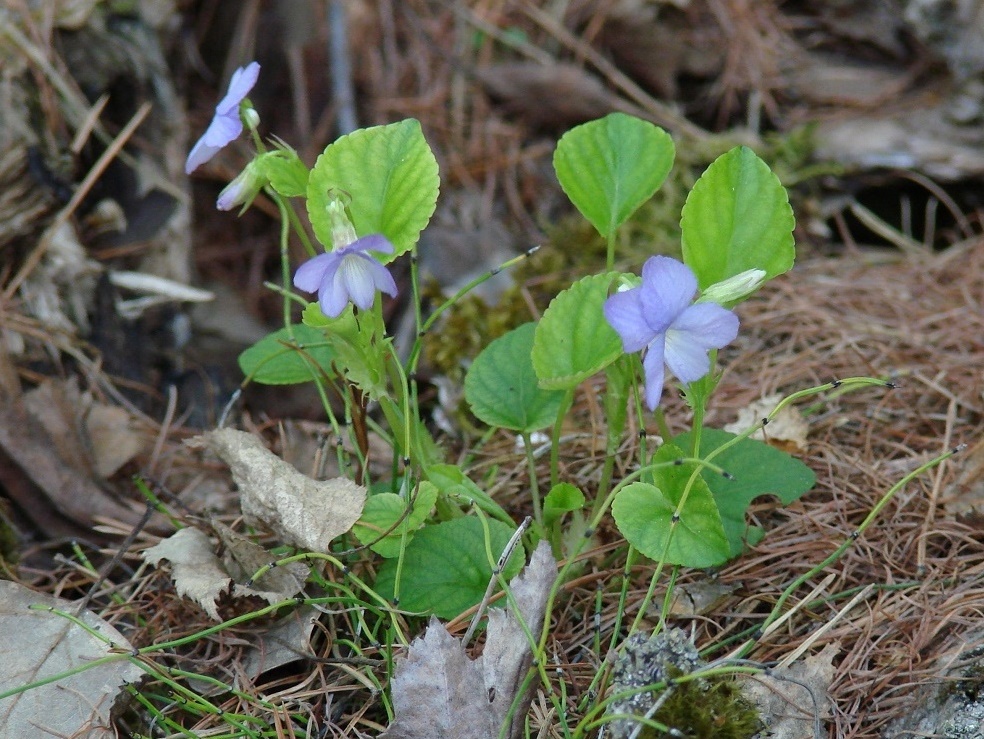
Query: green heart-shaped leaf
(390,176)
(611,166)
(501,387)
(758,469)
(446,568)
(573,340)
(277,359)
(737,217)
(644,513)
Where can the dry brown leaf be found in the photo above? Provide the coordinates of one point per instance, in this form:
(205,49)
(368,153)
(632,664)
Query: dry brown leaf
(36,644)
(42,434)
(195,568)
(439,693)
(303,512)
(790,709)
(112,439)
(966,495)
(287,641)
(787,431)
(244,557)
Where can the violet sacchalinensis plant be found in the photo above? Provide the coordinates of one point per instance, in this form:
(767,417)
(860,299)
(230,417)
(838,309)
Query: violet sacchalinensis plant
(368,197)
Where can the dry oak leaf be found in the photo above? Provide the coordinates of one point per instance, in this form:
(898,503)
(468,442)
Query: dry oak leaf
(195,568)
(305,513)
(439,693)
(787,431)
(36,644)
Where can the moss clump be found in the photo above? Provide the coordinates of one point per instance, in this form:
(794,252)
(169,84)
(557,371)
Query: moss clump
(711,708)
(701,708)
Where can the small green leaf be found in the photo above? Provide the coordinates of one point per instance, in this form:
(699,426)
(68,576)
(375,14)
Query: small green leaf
(611,166)
(381,513)
(737,217)
(562,498)
(313,316)
(391,176)
(501,386)
(285,171)
(644,514)
(277,360)
(446,569)
(451,481)
(573,340)
(359,346)
(758,469)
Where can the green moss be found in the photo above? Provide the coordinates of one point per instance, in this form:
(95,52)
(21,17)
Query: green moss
(711,708)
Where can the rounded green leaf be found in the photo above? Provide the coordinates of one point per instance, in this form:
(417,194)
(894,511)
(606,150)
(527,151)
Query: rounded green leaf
(644,514)
(736,218)
(285,171)
(276,359)
(758,469)
(446,569)
(391,177)
(573,340)
(501,387)
(562,498)
(611,166)
(381,513)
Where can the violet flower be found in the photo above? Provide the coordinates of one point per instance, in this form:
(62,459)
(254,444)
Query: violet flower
(347,274)
(226,124)
(661,318)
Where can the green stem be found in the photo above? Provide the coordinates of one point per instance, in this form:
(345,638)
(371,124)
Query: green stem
(565,404)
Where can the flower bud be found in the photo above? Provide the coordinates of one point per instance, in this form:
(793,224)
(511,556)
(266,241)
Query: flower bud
(734,289)
(250,117)
(243,189)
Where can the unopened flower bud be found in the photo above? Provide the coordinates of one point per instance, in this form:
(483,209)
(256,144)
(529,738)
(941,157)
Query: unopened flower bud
(243,189)
(251,118)
(735,288)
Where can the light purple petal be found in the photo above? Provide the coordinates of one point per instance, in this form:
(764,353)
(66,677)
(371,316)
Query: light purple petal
(652,365)
(243,80)
(354,277)
(382,279)
(668,287)
(222,130)
(332,298)
(623,311)
(311,275)
(686,357)
(708,324)
(225,125)
(229,196)
(372,242)
(199,154)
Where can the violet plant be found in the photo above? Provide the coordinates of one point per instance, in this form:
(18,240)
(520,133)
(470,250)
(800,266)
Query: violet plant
(368,197)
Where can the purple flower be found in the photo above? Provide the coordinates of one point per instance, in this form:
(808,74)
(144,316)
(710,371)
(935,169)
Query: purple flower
(226,124)
(347,274)
(660,317)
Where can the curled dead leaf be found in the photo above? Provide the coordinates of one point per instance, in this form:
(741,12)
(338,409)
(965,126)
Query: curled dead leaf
(787,431)
(439,693)
(196,570)
(36,644)
(303,512)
